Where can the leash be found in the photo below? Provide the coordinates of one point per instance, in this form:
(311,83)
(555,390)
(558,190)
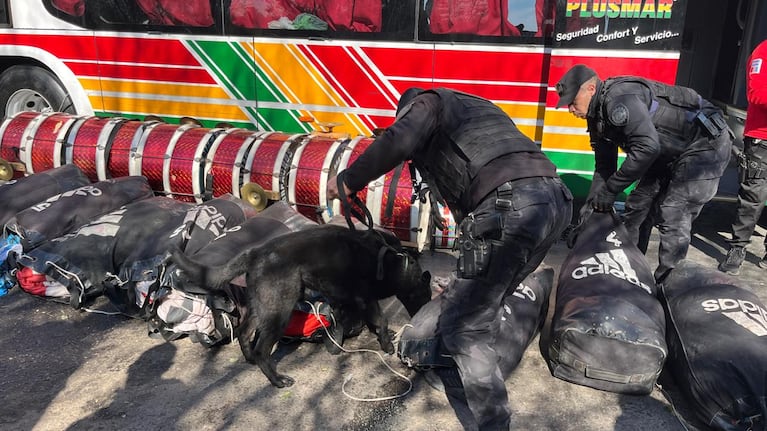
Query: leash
(364,217)
(316,313)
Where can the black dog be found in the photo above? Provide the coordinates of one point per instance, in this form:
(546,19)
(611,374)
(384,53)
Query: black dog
(352,269)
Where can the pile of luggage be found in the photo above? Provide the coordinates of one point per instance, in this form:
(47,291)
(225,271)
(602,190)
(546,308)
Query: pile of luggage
(70,240)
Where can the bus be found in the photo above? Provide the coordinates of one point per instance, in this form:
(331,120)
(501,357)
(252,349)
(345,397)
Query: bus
(338,67)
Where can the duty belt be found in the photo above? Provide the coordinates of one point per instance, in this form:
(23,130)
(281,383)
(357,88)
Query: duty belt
(504,192)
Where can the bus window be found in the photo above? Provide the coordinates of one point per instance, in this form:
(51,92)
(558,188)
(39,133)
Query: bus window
(463,19)
(3,14)
(332,19)
(189,16)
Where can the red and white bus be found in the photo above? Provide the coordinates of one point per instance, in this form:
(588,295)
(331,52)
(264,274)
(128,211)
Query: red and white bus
(298,67)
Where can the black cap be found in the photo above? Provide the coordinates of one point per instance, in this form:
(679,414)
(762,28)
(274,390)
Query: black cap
(408,96)
(571,82)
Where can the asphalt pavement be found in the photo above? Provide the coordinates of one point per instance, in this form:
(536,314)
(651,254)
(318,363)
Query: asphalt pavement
(62,369)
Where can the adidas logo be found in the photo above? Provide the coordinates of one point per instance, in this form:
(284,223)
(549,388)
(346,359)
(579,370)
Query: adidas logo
(747,314)
(615,263)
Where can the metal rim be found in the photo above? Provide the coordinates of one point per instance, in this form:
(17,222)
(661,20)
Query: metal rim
(27,99)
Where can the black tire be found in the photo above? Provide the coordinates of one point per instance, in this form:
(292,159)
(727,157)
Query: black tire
(32,88)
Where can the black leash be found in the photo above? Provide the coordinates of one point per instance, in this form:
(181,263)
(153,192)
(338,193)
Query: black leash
(349,210)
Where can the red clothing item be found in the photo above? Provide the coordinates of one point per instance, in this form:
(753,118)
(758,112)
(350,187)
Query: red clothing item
(756,93)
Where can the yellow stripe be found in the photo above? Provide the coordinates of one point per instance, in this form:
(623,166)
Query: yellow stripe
(172,108)
(298,79)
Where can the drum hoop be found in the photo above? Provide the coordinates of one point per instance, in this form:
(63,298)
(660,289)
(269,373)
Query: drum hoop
(169,155)
(104,145)
(374,201)
(344,160)
(137,147)
(252,155)
(27,139)
(68,147)
(198,169)
(295,158)
(277,168)
(61,139)
(237,180)
(207,161)
(330,169)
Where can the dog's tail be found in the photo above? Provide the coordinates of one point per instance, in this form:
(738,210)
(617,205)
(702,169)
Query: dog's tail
(207,277)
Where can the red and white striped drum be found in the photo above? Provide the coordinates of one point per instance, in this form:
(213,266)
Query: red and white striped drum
(265,159)
(308,177)
(405,219)
(122,145)
(13,133)
(86,145)
(149,156)
(445,238)
(183,172)
(225,161)
(43,147)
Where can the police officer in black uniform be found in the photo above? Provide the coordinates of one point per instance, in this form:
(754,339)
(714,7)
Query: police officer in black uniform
(677,146)
(510,205)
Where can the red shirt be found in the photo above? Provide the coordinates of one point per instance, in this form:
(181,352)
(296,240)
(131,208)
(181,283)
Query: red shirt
(756,93)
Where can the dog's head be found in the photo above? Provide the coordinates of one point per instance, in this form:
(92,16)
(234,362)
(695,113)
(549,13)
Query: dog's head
(413,284)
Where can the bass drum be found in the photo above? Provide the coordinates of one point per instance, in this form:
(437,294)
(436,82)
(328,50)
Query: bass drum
(122,145)
(15,131)
(44,146)
(148,158)
(307,179)
(264,160)
(88,145)
(183,172)
(226,160)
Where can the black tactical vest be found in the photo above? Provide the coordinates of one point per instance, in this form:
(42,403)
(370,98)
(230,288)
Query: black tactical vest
(672,110)
(472,132)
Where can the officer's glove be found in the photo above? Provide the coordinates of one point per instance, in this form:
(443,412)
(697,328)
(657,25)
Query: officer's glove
(603,200)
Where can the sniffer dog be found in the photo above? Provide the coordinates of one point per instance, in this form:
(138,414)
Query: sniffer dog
(352,269)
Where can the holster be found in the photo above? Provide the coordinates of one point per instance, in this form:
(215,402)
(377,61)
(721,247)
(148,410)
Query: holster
(475,244)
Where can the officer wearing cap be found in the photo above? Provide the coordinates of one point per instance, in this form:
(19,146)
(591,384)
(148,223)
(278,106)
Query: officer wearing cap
(677,146)
(511,207)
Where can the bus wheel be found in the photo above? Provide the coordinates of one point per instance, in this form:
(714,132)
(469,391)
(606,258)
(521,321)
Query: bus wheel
(32,88)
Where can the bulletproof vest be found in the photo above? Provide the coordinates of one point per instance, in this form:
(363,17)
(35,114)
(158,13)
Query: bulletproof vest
(472,133)
(672,110)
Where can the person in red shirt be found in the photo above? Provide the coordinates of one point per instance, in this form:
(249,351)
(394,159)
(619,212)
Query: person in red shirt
(753,163)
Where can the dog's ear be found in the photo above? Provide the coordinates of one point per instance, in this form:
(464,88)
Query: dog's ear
(426,277)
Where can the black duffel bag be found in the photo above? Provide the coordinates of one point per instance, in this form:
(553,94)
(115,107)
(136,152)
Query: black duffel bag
(20,194)
(608,327)
(65,212)
(717,339)
(518,321)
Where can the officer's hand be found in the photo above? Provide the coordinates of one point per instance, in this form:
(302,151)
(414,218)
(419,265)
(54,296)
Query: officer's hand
(332,189)
(603,201)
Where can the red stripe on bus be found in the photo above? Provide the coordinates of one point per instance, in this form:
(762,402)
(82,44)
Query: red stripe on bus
(156,51)
(153,73)
(76,47)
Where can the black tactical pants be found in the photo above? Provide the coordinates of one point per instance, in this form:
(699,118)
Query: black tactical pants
(534,214)
(752,193)
(672,199)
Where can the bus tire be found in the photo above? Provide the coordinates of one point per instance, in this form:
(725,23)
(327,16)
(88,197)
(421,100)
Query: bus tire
(32,88)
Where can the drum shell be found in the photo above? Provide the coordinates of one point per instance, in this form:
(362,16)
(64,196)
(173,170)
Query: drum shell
(13,132)
(121,146)
(226,162)
(44,146)
(184,170)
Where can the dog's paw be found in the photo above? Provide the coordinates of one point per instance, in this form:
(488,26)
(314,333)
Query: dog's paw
(283,381)
(388,347)
(330,346)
